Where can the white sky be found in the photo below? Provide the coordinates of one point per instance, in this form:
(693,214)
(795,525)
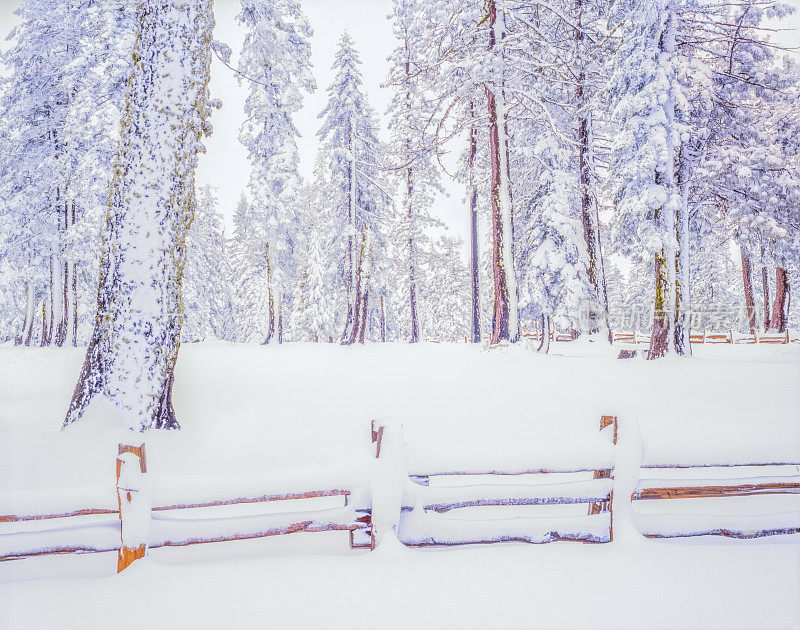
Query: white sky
(225,165)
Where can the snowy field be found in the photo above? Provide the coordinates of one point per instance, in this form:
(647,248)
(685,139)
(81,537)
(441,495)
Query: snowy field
(245,408)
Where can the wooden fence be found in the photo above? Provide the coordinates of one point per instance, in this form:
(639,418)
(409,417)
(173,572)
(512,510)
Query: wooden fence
(143,510)
(425,525)
(731,336)
(750,525)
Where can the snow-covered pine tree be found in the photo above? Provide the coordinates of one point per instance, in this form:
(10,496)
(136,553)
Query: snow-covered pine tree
(647,196)
(62,99)
(276,64)
(351,157)
(410,150)
(445,311)
(249,274)
(207,297)
(313,316)
(131,357)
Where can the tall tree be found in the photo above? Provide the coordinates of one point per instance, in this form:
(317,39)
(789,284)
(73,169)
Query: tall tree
(411,150)
(131,357)
(350,161)
(276,66)
(643,158)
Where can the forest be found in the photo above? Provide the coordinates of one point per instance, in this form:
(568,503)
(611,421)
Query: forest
(632,165)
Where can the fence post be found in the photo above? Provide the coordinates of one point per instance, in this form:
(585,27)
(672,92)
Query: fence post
(608,473)
(365,538)
(134,507)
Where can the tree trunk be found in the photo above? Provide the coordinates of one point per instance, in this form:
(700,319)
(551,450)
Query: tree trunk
(348,334)
(24,337)
(475,311)
(131,357)
(270,301)
(765,287)
(74,288)
(747,281)
(383,322)
(779,310)
(62,274)
(356,310)
(363,328)
(591,232)
(661,341)
(659,338)
(412,285)
(43,341)
(544,342)
(682,288)
(280,320)
(505,320)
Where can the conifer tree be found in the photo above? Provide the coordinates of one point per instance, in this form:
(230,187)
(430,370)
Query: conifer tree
(350,161)
(276,64)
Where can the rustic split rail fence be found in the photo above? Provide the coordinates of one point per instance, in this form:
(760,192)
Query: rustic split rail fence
(705,337)
(396,492)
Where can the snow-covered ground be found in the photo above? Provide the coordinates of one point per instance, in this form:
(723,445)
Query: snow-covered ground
(246,408)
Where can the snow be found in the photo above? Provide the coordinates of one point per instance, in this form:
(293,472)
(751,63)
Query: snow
(272,420)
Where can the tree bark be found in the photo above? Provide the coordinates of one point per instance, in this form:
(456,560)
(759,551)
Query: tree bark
(356,310)
(682,288)
(270,301)
(383,322)
(364,306)
(747,281)
(544,342)
(475,311)
(24,337)
(412,286)
(74,292)
(61,323)
(779,310)
(765,288)
(659,339)
(348,334)
(505,322)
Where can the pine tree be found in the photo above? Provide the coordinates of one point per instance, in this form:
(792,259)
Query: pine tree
(646,193)
(131,357)
(207,298)
(61,101)
(411,150)
(350,161)
(276,61)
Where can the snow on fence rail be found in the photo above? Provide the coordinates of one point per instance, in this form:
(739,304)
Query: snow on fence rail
(743,526)
(424,525)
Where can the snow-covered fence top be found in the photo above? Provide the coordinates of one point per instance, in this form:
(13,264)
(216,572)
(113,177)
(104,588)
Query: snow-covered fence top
(170,492)
(426,460)
(426,523)
(777,452)
(724,451)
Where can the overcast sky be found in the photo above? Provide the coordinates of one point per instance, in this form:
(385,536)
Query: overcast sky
(225,165)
